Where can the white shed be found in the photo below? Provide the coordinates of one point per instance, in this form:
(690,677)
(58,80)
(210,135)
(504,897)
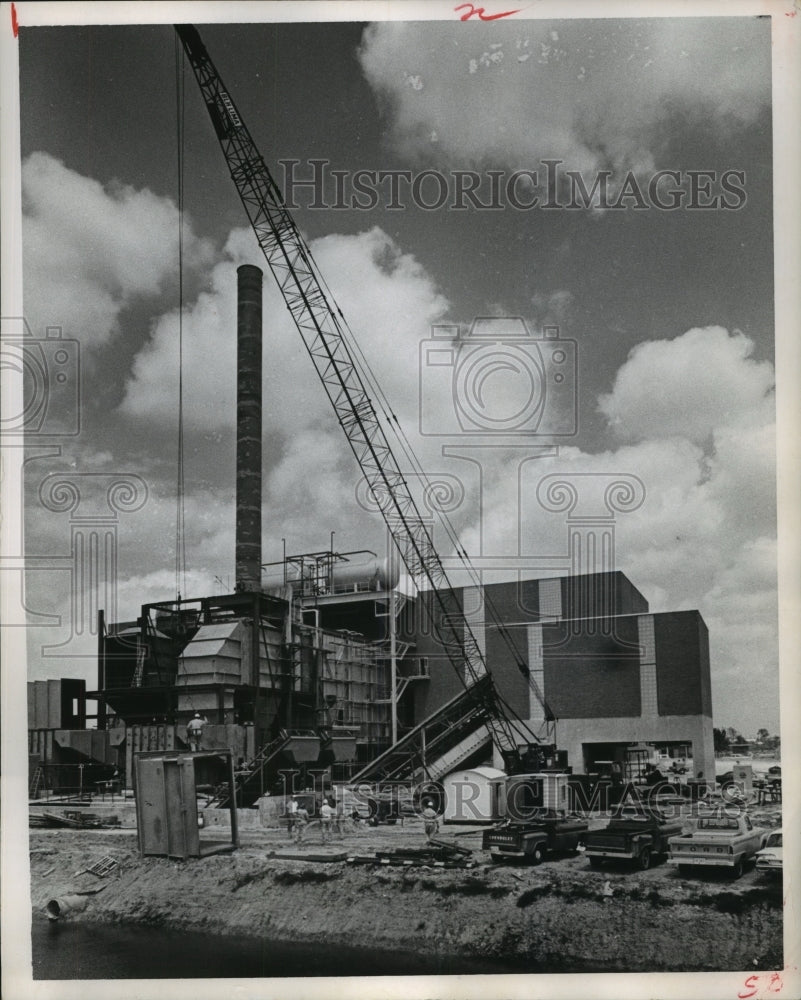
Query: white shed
(468,796)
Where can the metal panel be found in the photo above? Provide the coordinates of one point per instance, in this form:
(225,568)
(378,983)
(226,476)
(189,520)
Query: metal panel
(151,816)
(183,839)
(53,704)
(40,705)
(304,748)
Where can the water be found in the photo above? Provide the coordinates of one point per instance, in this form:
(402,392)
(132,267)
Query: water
(75,950)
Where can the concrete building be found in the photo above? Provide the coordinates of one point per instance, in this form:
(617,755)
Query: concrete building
(610,674)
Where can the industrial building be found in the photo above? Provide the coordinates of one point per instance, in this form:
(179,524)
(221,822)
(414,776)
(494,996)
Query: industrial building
(332,666)
(324,663)
(309,674)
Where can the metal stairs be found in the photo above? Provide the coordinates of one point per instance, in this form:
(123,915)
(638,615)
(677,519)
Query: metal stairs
(416,755)
(248,784)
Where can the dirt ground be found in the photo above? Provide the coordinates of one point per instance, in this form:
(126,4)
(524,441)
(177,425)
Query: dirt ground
(558,916)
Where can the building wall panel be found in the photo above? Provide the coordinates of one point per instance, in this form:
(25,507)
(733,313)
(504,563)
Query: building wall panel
(589,674)
(682,664)
(505,653)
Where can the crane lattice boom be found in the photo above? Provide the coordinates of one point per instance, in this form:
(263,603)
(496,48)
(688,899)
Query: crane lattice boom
(324,331)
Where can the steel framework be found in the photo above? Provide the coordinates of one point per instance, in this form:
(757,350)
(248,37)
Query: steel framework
(325,335)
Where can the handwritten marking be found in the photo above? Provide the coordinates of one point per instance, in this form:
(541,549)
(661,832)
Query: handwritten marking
(480,13)
(774,984)
(14,22)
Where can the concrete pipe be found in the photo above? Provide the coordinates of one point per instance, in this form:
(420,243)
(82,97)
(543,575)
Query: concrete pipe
(66,904)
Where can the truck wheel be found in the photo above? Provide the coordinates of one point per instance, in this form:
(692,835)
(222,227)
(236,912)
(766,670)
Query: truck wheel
(738,870)
(685,870)
(496,858)
(537,855)
(595,862)
(644,859)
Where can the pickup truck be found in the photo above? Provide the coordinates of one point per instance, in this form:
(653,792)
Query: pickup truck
(545,830)
(724,839)
(635,833)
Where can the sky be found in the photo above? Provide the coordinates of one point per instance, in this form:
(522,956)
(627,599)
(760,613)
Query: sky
(661,291)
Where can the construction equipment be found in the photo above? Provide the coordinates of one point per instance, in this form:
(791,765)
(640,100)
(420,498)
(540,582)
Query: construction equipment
(334,352)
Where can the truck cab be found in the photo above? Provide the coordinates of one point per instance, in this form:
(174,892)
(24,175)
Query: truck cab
(723,839)
(636,832)
(533,818)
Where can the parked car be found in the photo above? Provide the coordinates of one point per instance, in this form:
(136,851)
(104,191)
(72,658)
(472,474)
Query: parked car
(634,833)
(770,859)
(723,838)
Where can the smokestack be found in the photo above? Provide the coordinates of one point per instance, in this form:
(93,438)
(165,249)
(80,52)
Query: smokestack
(248,428)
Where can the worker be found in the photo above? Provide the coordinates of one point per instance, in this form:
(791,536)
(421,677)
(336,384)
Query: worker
(339,818)
(291,816)
(430,819)
(301,822)
(194,732)
(326,820)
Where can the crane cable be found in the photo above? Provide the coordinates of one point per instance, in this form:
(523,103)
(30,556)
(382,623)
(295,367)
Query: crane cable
(367,372)
(180,535)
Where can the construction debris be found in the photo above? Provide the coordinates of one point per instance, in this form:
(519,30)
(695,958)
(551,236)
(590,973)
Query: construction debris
(100,868)
(438,854)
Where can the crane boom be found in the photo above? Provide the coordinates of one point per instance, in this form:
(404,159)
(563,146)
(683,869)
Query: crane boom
(325,335)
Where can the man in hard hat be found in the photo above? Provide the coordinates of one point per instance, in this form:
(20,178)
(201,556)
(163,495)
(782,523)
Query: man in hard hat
(430,819)
(194,731)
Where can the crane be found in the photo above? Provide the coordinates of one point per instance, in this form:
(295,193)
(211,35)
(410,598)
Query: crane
(331,347)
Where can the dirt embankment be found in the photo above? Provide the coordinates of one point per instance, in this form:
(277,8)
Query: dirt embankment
(553,917)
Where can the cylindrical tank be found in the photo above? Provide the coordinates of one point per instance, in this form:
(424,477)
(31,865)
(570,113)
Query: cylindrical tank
(375,574)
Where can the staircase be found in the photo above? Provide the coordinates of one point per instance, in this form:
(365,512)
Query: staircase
(248,786)
(479,740)
(418,754)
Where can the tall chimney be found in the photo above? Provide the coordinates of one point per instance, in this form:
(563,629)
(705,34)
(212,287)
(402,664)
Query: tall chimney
(248,428)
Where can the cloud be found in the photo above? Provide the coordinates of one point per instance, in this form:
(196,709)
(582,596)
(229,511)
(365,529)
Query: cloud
(388,299)
(90,251)
(691,417)
(701,382)
(592,93)
(694,418)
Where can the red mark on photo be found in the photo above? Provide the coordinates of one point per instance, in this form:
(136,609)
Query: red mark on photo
(763,985)
(14,22)
(480,13)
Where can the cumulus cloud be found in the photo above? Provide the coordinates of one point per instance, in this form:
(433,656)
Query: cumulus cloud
(385,294)
(700,382)
(90,250)
(692,418)
(592,93)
